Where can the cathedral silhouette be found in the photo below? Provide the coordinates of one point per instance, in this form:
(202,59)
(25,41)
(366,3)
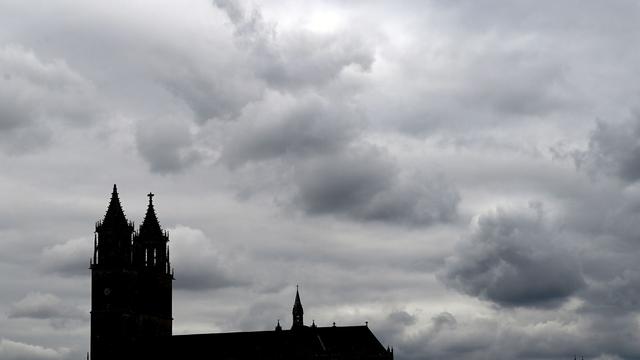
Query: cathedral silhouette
(131,318)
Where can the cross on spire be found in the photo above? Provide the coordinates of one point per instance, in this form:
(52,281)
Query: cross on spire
(151,195)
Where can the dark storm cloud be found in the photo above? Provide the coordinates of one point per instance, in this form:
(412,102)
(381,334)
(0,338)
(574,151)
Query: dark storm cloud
(613,150)
(514,259)
(366,184)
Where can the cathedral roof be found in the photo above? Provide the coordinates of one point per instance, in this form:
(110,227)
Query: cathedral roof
(150,224)
(348,342)
(115,215)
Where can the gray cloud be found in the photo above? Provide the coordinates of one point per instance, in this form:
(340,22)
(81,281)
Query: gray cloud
(34,94)
(613,150)
(14,350)
(306,59)
(202,267)
(550,335)
(198,84)
(70,258)
(514,259)
(315,134)
(389,118)
(500,79)
(287,127)
(291,60)
(444,337)
(618,295)
(166,144)
(45,306)
(365,184)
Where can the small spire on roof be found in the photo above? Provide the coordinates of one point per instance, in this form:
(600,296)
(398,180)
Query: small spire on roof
(298,311)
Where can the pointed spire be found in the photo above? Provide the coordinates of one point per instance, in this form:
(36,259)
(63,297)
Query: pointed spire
(114,215)
(150,224)
(298,312)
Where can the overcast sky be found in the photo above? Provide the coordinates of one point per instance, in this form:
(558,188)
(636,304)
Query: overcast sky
(464,175)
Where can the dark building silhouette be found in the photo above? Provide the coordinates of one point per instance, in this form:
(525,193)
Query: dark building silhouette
(131,317)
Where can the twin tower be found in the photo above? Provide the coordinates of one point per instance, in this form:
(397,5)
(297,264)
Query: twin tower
(131,279)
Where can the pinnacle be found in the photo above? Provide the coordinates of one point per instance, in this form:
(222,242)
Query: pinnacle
(114,215)
(150,224)
(297,303)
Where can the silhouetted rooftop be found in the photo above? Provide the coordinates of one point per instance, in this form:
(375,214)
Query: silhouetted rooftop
(348,342)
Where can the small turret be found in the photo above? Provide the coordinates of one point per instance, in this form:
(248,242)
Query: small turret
(298,312)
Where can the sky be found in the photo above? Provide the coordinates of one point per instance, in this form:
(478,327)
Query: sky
(464,175)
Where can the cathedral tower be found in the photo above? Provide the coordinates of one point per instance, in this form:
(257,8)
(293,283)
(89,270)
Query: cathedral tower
(112,279)
(151,261)
(130,283)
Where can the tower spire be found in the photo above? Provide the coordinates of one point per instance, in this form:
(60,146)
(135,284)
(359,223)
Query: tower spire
(150,243)
(150,224)
(298,312)
(112,243)
(114,215)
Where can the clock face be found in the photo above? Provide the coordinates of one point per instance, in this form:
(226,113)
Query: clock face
(107,291)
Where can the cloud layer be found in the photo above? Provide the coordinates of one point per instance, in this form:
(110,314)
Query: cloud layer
(463,175)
